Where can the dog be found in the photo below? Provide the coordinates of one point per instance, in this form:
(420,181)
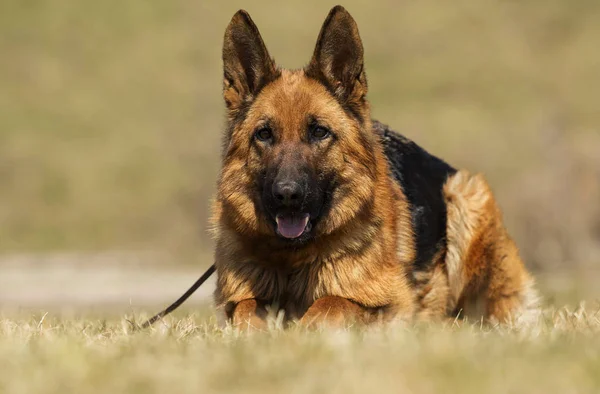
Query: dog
(334,218)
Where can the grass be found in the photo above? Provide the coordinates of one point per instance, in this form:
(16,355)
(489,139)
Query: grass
(190,354)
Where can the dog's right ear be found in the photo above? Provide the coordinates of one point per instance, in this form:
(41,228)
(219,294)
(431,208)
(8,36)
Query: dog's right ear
(247,65)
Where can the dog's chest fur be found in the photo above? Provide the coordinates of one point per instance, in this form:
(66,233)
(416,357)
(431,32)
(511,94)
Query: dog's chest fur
(363,268)
(366,272)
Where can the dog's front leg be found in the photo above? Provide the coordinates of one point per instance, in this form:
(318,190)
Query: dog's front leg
(249,314)
(334,311)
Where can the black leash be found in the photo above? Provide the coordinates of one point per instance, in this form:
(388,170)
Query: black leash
(181,299)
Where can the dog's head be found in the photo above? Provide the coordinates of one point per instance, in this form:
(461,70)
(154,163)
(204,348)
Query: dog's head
(298,158)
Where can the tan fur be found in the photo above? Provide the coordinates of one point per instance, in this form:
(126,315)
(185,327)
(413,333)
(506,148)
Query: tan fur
(432,290)
(335,311)
(486,275)
(248,314)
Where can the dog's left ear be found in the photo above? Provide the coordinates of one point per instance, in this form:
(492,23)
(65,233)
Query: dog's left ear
(338,58)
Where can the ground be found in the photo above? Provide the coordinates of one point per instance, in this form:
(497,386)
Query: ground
(66,326)
(189,354)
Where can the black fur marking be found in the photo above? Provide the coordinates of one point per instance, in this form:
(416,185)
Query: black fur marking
(422,177)
(354,112)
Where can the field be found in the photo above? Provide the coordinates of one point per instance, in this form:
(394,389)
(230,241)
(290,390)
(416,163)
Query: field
(190,355)
(110,125)
(70,328)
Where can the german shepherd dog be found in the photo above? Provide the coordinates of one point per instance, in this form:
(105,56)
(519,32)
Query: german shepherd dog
(333,218)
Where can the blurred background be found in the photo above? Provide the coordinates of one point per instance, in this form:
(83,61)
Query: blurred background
(111,115)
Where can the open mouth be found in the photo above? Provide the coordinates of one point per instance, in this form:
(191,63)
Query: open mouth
(292,225)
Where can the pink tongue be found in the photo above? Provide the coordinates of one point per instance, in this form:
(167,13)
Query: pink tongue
(291,226)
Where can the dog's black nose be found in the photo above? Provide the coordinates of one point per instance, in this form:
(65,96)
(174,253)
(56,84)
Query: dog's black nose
(288,193)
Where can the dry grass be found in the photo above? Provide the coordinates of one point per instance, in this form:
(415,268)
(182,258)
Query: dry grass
(190,355)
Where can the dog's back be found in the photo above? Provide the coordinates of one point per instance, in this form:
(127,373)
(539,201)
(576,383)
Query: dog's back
(421,177)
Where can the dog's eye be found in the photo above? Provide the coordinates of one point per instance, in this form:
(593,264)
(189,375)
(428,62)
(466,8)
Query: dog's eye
(264,134)
(319,132)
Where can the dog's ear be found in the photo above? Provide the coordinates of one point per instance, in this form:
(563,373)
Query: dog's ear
(247,66)
(338,58)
